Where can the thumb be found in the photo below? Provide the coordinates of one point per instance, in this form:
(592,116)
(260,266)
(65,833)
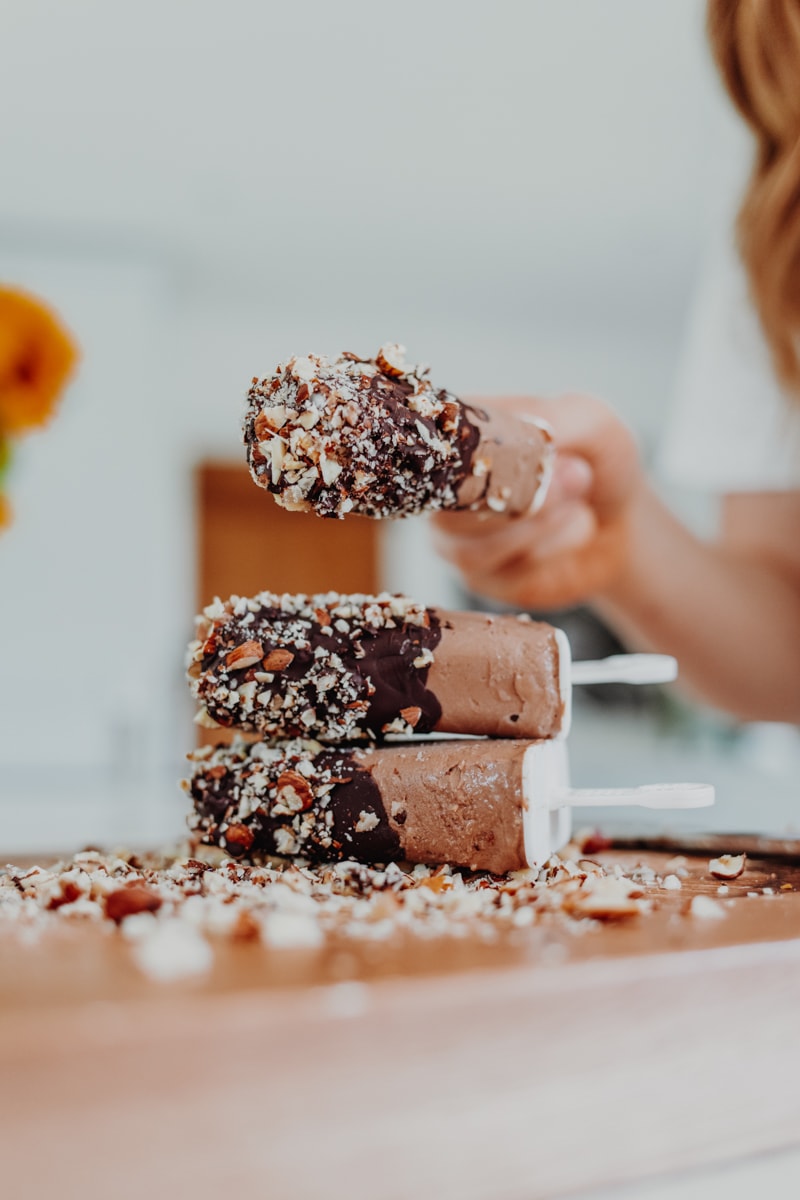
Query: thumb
(573,479)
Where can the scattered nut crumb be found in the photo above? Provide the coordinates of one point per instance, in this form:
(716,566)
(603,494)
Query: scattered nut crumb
(172,949)
(172,909)
(292,929)
(706,908)
(727,866)
(133,898)
(606,898)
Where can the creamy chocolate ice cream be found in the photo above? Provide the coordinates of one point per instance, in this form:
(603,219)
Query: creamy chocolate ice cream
(499,676)
(347,667)
(374,436)
(456,802)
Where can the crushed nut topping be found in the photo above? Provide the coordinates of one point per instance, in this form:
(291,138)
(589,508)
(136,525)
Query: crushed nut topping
(275,798)
(352,434)
(314,666)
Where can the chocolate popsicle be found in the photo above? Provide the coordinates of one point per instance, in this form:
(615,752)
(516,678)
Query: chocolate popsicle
(375,437)
(431,802)
(346,667)
(486,805)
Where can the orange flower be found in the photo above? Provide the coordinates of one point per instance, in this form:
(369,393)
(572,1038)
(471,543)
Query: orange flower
(5,512)
(36,359)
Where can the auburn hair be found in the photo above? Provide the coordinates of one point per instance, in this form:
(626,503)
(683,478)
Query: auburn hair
(756,44)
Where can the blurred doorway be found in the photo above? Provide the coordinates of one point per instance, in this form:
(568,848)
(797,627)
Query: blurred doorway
(247,544)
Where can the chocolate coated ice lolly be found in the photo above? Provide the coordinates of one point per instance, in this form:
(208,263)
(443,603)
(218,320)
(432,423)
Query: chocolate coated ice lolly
(374,436)
(449,801)
(346,667)
(486,805)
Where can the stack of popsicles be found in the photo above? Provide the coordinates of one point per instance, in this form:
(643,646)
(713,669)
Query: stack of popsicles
(356,699)
(340,688)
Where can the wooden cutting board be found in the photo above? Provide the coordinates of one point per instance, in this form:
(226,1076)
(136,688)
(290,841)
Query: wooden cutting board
(556,1058)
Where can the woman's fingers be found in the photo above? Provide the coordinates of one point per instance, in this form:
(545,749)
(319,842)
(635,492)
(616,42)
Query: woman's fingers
(469,524)
(562,528)
(484,552)
(569,549)
(586,428)
(486,546)
(572,479)
(568,529)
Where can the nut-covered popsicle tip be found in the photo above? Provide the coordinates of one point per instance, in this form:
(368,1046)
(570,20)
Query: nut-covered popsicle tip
(374,436)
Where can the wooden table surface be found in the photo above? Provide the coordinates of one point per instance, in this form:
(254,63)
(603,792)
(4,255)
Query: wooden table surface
(556,1058)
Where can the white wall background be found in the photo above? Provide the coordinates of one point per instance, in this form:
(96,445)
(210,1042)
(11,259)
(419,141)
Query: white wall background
(520,191)
(513,188)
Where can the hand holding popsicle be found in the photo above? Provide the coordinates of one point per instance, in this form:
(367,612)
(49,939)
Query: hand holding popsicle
(576,543)
(604,537)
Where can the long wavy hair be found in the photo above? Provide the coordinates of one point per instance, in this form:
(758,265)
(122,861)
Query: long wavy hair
(756,44)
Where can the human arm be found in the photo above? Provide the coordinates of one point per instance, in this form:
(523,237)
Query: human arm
(729,609)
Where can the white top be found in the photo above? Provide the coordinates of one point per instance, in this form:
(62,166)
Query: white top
(733,427)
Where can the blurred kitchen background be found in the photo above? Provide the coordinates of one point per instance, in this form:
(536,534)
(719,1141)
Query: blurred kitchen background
(521,192)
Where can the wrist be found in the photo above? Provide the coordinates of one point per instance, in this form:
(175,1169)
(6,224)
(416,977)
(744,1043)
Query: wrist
(642,546)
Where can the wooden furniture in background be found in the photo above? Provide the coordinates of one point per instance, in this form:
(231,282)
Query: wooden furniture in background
(247,544)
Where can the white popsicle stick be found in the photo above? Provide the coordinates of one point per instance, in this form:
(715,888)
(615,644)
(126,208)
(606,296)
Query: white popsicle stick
(618,668)
(545,773)
(625,668)
(549,800)
(653,795)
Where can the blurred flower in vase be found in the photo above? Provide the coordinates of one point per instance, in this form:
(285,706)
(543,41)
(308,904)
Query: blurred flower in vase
(37,358)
